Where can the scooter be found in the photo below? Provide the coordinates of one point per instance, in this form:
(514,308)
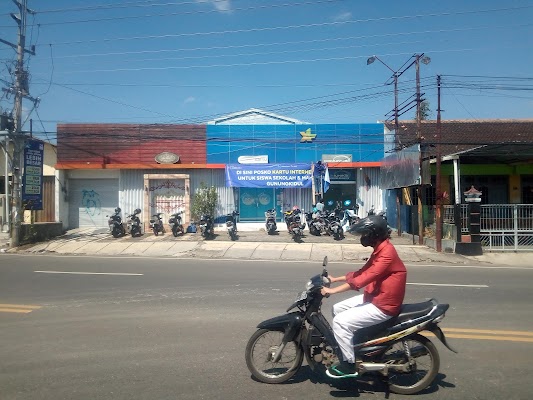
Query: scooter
(349,217)
(156,224)
(175,223)
(270,221)
(134,223)
(115,224)
(294,223)
(406,361)
(231,225)
(206,224)
(333,225)
(315,222)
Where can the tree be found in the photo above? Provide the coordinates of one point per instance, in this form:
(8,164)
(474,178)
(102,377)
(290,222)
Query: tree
(204,202)
(425,111)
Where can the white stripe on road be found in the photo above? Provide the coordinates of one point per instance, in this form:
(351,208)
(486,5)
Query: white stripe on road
(447,284)
(88,273)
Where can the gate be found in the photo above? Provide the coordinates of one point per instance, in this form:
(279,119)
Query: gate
(507,227)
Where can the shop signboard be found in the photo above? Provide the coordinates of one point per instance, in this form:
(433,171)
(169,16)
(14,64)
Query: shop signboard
(274,176)
(32,189)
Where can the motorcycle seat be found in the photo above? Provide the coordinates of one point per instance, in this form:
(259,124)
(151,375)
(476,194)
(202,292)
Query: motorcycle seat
(407,312)
(412,311)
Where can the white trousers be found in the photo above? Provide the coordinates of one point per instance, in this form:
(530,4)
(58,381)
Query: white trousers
(349,316)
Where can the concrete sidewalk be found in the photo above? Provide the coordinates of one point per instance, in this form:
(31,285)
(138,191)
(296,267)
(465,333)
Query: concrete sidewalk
(253,245)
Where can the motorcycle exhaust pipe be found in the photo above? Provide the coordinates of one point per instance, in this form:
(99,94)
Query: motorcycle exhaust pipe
(383,368)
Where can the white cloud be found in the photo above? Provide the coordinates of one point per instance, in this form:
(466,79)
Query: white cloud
(345,16)
(189,99)
(220,5)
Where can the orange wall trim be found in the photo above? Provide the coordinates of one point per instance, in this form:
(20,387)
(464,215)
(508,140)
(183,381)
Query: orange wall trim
(88,165)
(354,164)
(137,166)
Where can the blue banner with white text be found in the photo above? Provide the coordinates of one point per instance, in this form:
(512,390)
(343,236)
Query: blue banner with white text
(292,176)
(32,188)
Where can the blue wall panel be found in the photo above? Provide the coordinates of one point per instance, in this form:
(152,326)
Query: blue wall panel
(282,143)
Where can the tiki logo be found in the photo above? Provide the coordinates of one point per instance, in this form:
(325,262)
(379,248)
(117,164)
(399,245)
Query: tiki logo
(307,136)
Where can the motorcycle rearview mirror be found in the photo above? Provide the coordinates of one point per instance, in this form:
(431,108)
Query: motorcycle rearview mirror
(325,264)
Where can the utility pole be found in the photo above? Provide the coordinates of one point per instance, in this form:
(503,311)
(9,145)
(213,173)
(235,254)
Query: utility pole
(438,201)
(20,90)
(419,139)
(396,74)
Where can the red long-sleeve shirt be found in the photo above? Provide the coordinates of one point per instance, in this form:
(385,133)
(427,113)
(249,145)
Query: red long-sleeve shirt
(384,278)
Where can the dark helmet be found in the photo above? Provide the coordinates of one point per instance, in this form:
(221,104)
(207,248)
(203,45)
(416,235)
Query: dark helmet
(373,227)
(137,211)
(117,210)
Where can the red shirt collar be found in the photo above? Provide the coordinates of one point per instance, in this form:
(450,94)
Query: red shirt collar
(380,247)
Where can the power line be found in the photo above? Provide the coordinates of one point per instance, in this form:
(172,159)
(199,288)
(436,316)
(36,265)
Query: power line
(300,26)
(186,13)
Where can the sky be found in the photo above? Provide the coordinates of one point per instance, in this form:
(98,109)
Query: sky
(192,61)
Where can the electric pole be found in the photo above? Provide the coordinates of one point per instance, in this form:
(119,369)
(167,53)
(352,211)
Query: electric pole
(438,211)
(20,91)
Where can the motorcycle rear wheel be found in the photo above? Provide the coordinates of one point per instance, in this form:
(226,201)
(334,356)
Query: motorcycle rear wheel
(259,352)
(427,359)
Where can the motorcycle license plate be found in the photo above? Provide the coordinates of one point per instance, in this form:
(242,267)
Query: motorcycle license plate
(302,296)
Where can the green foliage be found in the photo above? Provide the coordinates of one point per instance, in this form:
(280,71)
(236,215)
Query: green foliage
(204,201)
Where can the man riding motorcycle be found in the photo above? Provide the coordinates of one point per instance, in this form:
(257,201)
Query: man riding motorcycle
(384,279)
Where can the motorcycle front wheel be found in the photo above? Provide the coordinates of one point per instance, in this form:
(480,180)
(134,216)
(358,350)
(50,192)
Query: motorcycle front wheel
(426,364)
(116,233)
(260,352)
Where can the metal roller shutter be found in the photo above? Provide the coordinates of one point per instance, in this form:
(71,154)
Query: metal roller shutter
(90,200)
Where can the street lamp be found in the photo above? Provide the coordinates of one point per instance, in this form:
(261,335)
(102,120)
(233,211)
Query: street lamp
(395,75)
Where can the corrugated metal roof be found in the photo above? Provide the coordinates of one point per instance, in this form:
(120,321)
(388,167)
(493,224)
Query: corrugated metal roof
(254,116)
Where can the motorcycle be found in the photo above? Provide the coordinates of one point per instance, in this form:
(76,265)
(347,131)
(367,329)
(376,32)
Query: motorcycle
(333,224)
(315,222)
(294,223)
(231,225)
(134,223)
(270,221)
(115,224)
(349,217)
(175,223)
(372,211)
(206,224)
(156,224)
(406,361)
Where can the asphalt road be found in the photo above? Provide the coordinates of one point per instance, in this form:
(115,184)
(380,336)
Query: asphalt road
(177,329)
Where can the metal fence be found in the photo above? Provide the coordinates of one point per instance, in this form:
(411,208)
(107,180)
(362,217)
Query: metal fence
(448,216)
(507,227)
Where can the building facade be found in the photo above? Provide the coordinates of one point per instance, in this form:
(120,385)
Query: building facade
(159,168)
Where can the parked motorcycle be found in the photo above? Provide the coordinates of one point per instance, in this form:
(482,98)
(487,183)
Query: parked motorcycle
(372,211)
(270,221)
(134,223)
(156,224)
(333,224)
(231,225)
(294,222)
(348,218)
(175,223)
(315,222)
(406,361)
(207,226)
(115,223)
